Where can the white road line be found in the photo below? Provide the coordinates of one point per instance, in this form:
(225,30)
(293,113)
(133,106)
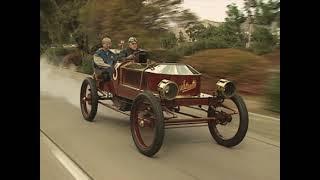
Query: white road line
(68,163)
(263,116)
(265,140)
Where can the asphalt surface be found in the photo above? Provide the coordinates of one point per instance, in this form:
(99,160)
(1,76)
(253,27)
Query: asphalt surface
(104,149)
(51,168)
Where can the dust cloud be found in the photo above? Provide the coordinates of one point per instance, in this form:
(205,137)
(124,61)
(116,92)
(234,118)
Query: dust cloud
(60,82)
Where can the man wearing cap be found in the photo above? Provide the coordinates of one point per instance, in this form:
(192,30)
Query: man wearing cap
(129,53)
(104,59)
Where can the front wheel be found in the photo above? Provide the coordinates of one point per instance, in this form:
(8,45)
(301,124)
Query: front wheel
(147,123)
(232,121)
(89,99)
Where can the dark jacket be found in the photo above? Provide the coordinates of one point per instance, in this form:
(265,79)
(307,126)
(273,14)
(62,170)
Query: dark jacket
(125,53)
(140,57)
(108,57)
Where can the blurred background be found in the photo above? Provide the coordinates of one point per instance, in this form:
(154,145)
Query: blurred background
(233,39)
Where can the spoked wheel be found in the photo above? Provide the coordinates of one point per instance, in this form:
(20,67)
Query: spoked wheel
(147,124)
(232,121)
(88,99)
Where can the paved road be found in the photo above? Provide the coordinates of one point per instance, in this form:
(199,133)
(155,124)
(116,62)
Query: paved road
(105,150)
(51,168)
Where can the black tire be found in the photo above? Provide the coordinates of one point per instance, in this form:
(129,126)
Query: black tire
(158,126)
(89,115)
(242,129)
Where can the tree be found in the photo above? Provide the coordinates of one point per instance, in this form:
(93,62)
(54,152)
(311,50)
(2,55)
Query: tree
(249,5)
(229,33)
(87,21)
(119,19)
(263,40)
(231,29)
(195,30)
(264,37)
(181,38)
(266,13)
(169,40)
(58,20)
(234,15)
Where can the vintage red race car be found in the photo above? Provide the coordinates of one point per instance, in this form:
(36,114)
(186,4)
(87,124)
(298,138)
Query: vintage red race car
(159,96)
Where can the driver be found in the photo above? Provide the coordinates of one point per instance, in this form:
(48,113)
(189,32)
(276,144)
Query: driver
(104,59)
(129,53)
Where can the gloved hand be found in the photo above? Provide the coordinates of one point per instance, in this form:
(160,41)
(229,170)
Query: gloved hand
(131,57)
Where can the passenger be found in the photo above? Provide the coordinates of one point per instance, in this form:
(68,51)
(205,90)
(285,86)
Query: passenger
(104,60)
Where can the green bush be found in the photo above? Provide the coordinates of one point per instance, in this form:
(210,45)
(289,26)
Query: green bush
(215,44)
(86,66)
(263,41)
(169,40)
(183,49)
(55,55)
(273,93)
(59,51)
(164,56)
(187,49)
(43,48)
(261,48)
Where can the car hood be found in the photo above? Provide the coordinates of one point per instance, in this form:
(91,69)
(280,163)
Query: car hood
(173,69)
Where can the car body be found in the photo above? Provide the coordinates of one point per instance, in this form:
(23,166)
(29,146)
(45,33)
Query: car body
(154,92)
(129,78)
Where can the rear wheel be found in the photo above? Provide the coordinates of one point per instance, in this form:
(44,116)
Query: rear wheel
(232,121)
(89,99)
(147,124)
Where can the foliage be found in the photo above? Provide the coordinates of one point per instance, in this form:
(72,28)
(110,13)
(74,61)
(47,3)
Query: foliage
(187,49)
(164,56)
(267,12)
(181,37)
(263,41)
(273,93)
(86,66)
(195,30)
(168,41)
(58,20)
(146,20)
(229,33)
(85,22)
(56,54)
